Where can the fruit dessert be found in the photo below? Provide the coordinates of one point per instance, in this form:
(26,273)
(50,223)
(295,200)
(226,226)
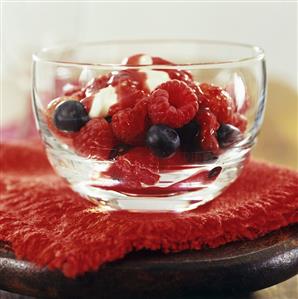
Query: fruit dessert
(147,123)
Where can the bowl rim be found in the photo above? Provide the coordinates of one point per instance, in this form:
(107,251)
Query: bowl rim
(258,55)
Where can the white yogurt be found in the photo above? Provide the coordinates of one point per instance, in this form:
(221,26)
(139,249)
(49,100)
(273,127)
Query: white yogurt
(155,78)
(102,101)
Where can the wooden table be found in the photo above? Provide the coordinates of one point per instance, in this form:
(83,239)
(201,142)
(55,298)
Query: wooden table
(284,290)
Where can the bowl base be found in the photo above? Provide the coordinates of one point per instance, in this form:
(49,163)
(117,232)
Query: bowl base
(109,200)
(178,189)
(146,205)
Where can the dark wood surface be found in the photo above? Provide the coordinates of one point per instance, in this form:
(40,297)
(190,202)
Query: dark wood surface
(235,268)
(285,290)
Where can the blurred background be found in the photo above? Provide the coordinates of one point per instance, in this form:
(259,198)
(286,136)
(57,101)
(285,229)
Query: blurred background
(27,27)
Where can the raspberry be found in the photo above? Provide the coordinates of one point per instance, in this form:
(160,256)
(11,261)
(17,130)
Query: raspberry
(128,96)
(115,108)
(222,105)
(180,75)
(65,137)
(196,89)
(137,166)
(129,125)
(129,86)
(136,79)
(96,84)
(208,127)
(173,103)
(218,101)
(95,139)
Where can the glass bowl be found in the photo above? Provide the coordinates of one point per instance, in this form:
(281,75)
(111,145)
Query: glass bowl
(149,125)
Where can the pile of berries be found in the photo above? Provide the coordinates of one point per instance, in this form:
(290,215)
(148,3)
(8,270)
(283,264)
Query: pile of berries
(145,121)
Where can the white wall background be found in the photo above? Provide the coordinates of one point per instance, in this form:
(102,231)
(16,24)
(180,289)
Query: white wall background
(28,26)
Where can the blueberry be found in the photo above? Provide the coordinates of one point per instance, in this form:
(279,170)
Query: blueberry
(188,132)
(108,118)
(227,135)
(70,116)
(162,140)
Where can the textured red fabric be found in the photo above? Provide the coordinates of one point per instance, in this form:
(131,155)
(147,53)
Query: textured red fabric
(50,225)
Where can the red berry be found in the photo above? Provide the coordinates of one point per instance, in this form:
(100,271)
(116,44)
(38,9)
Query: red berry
(218,101)
(222,105)
(95,139)
(130,87)
(128,96)
(136,79)
(129,125)
(208,127)
(173,103)
(180,75)
(137,166)
(115,108)
(128,84)
(195,87)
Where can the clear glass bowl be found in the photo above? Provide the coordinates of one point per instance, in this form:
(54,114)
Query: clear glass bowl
(116,161)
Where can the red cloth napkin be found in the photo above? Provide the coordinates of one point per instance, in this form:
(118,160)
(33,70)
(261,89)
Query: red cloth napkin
(50,225)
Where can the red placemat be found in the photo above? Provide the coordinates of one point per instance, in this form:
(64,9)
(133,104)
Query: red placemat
(50,225)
